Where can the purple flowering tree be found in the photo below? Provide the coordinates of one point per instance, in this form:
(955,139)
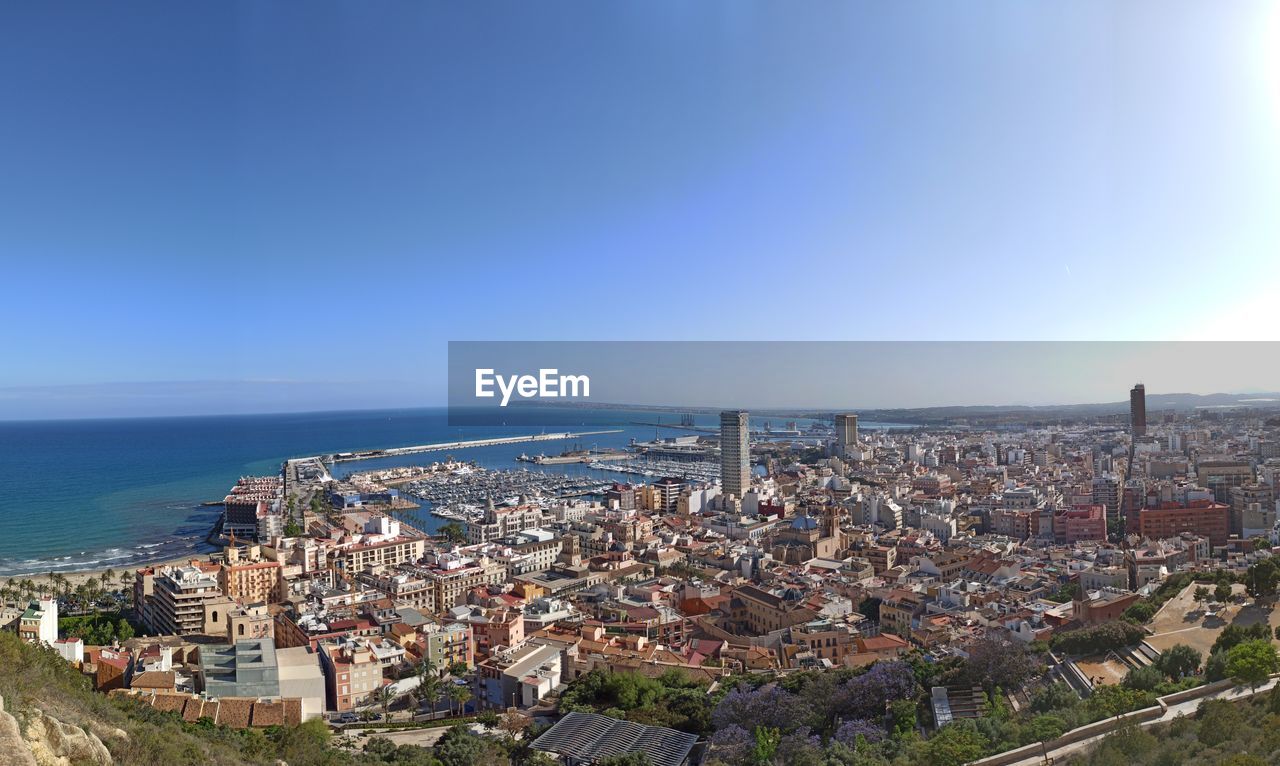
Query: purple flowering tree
(770,705)
(732,744)
(849,732)
(866,696)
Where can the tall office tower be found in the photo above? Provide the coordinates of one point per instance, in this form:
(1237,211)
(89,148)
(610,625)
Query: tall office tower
(846,432)
(1138,410)
(735,452)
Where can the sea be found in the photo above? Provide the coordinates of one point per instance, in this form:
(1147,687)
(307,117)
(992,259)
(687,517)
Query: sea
(92,494)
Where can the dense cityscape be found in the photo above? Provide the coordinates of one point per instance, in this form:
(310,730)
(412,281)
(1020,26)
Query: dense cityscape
(809,593)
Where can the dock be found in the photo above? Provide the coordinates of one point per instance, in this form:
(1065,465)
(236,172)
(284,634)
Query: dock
(343,457)
(677,426)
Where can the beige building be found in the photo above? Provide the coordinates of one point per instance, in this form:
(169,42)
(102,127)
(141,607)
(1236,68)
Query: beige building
(361,557)
(253,581)
(454,574)
(353,674)
(498,523)
(177,604)
(226,619)
(405,589)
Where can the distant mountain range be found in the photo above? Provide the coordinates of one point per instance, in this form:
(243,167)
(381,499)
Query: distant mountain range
(1155,403)
(1008,413)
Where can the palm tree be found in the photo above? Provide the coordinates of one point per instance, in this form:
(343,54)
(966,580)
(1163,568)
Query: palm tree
(107,577)
(460,695)
(429,691)
(59,583)
(385,696)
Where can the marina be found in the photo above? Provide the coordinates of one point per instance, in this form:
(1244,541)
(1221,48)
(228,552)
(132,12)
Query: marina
(461,490)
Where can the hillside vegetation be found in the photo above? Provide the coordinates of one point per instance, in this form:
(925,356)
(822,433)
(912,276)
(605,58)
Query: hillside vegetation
(37,685)
(1221,733)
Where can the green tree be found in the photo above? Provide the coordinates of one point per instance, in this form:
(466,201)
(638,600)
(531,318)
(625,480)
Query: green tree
(1201,594)
(1222,592)
(953,745)
(1235,634)
(1107,701)
(427,691)
(459,696)
(384,697)
(1178,660)
(1140,612)
(869,607)
(1145,678)
(766,745)
(1055,696)
(1252,662)
(1260,579)
(1219,721)
(1215,669)
(633,758)
(459,747)
(452,532)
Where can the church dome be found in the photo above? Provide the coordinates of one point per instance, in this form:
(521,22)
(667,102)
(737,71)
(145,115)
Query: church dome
(804,523)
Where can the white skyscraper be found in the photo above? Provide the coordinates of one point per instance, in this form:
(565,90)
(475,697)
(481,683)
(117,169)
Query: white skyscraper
(735,452)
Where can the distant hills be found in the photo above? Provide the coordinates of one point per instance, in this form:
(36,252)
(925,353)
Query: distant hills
(1009,413)
(1001,413)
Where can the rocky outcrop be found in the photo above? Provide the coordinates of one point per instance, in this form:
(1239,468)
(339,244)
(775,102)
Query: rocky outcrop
(12,745)
(43,740)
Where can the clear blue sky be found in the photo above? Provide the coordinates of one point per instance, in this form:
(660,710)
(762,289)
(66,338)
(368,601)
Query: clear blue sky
(326,193)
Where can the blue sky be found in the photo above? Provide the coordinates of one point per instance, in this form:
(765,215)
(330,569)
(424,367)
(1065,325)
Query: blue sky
(262,194)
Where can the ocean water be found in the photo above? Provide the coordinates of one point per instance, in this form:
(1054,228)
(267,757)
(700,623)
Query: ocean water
(82,494)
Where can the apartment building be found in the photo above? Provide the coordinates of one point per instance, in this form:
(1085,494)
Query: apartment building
(353,674)
(498,523)
(444,645)
(251,581)
(1200,517)
(177,602)
(390,552)
(454,574)
(39,623)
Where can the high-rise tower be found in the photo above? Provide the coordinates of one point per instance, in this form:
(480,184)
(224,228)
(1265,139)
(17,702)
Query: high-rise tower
(846,432)
(735,452)
(1138,411)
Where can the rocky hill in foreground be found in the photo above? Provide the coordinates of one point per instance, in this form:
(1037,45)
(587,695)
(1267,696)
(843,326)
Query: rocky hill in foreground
(51,717)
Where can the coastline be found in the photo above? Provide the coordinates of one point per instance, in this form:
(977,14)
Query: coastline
(81,576)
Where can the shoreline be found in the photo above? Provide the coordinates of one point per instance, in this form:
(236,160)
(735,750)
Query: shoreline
(77,577)
(74,577)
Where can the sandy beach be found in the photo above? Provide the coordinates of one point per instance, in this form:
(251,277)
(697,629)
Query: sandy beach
(76,578)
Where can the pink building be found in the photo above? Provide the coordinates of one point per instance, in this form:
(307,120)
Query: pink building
(1081,522)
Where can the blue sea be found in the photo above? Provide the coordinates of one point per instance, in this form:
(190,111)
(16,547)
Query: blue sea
(82,494)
